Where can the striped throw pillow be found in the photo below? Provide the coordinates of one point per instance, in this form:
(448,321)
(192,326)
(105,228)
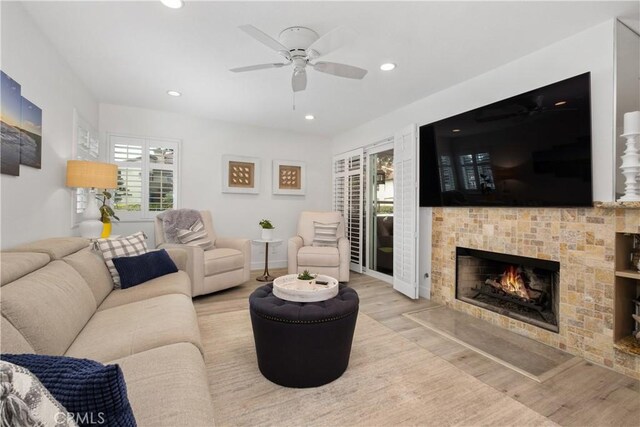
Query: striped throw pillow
(325,234)
(136,244)
(196,235)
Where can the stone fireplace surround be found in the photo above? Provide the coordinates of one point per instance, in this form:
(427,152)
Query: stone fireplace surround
(582,240)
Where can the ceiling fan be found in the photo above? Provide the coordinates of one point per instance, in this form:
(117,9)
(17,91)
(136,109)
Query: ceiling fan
(300,47)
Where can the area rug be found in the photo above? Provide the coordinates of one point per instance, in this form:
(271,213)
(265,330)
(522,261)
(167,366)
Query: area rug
(389,381)
(524,355)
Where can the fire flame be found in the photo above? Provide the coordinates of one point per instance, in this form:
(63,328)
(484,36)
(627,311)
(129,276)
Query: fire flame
(513,283)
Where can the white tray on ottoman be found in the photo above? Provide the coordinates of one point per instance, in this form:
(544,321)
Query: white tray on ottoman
(291,289)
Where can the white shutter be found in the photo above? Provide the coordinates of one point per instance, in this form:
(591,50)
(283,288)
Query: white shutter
(405,215)
(348,183)
(147,175)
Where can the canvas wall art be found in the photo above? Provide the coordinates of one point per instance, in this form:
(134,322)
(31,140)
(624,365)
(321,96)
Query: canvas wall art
(31,135)
(11,120)
(240,174)
(289,177)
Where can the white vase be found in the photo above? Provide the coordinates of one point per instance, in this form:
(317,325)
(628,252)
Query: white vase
(267,233)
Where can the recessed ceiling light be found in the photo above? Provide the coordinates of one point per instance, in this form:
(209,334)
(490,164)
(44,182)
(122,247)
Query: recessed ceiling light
(173,4)
(388,66)
(455,130)
(173,93)
(559,103)
(309,117)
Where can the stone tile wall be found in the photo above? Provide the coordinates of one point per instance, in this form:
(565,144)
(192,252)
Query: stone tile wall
(582,240)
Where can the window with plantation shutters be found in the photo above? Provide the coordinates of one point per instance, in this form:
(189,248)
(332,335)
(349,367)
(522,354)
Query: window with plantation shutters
(86,147)
(147,176)
(348,191)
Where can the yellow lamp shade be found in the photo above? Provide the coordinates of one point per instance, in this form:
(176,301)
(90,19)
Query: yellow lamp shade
(83,174)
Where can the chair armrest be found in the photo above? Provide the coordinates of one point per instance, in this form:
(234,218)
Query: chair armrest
(242,245)
(194,263)
(293,246)
(179,257)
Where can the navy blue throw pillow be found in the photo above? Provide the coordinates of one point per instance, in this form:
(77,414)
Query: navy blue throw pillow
(95,394)
(134,270)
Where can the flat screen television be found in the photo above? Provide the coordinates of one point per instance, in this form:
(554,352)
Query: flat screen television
(533,149)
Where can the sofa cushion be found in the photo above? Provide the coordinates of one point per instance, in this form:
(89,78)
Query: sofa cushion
(131,328)
(49,307)
(55,247)
(221,260)
(94,271)
(11,340)
(135,244)
(167,386)
(25,401)
(93,393)
(313,256)
(174,283)
(135,270)
(16,265)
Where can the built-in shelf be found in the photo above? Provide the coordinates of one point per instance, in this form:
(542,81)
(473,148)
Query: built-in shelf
(629,274)
(629,345)
(626,289)
(617,205)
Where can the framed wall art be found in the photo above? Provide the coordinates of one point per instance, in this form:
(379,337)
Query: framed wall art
(11,121)
(289,177)
(240,174)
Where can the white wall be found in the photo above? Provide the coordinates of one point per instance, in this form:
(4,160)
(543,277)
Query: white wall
(37,204)
(590,50)
(203,144)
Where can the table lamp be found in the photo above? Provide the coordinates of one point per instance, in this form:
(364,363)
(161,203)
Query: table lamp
(92,175)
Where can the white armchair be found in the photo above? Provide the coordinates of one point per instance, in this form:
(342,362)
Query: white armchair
(330,261)
(224,266)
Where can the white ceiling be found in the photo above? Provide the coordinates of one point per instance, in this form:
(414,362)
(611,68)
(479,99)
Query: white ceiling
(131,53)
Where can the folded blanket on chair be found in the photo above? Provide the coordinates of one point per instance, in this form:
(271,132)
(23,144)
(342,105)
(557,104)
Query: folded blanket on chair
(175,219)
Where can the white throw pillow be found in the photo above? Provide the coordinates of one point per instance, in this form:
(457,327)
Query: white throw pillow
(26,402)
(196,235)
(325,234)
(132,245)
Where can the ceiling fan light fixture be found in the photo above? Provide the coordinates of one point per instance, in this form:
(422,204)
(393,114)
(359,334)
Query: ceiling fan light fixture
(173,4)
(388,66)
(309,117)
(173,93)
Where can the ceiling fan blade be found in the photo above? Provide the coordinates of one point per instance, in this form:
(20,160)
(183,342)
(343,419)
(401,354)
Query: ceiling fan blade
(331,41)
(299,80)
(340,70)
(266,40)
(256,67)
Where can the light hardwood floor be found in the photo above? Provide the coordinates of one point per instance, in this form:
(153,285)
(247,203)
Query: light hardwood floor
(584,395)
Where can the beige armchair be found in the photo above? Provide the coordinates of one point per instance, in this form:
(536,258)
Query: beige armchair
(330,261)
(224,266)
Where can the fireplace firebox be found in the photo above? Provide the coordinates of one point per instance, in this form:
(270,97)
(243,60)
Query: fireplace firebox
(519,287)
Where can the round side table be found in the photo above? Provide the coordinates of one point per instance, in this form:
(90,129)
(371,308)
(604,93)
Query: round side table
(266,277)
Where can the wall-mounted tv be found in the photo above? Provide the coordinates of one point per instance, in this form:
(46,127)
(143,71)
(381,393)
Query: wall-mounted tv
(533,149)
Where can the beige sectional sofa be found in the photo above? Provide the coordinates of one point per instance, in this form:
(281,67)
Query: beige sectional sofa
(57,298)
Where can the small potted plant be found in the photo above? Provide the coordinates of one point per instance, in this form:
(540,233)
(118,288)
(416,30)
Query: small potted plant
(306,279)
(267,229)
(107,215)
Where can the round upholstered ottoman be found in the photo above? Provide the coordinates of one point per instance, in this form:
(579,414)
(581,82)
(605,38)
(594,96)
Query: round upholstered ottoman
(302,344)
